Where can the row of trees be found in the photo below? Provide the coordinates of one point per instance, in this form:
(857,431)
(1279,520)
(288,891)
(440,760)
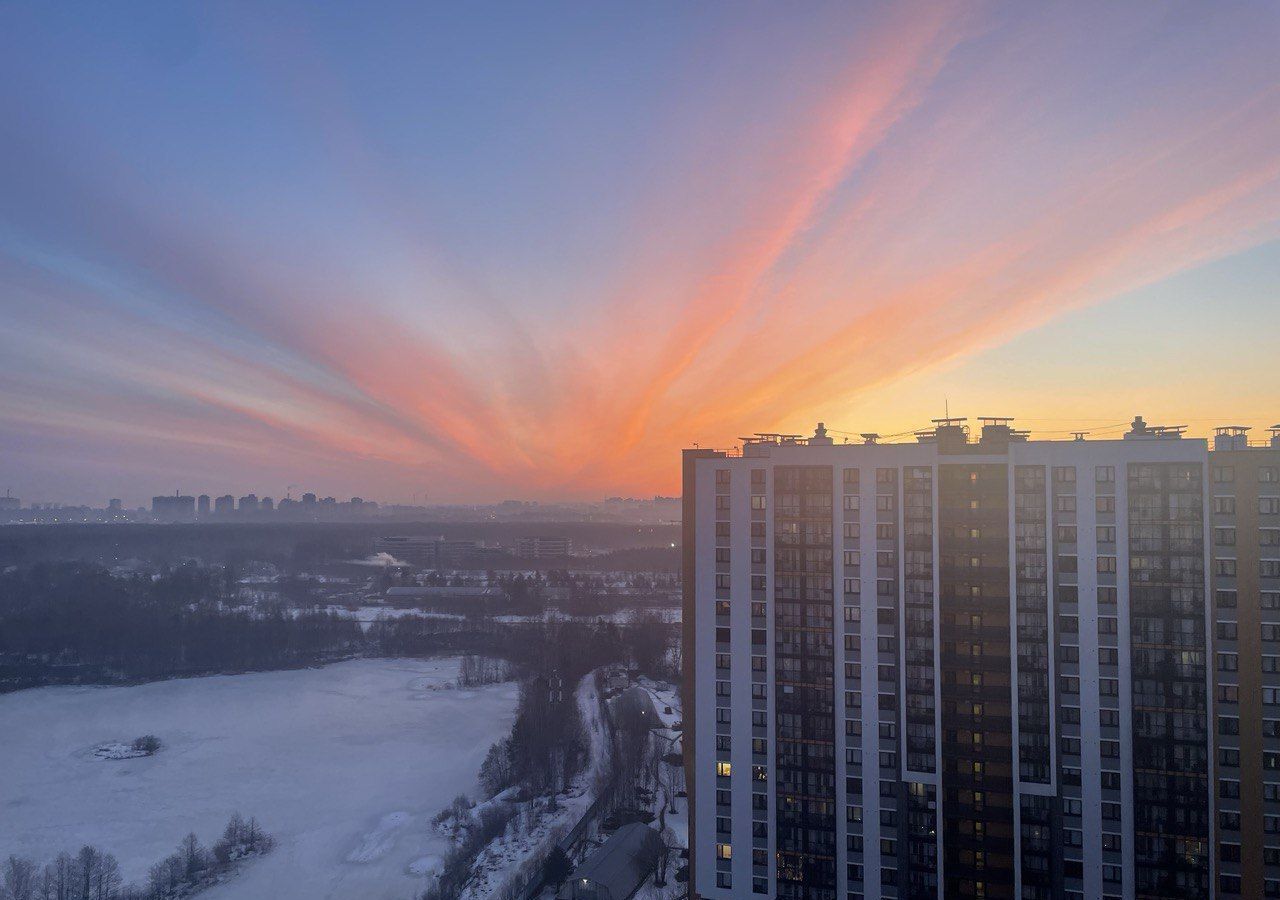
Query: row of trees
(93,874)
(476,671)
(547,746)
(473,831)
(77,623)
(70,622)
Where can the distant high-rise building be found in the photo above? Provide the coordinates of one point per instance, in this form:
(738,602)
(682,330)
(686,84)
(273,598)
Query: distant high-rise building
(308,499)
(267,504)
(174,507)
(959,668)
(10,502)
(202,506)
(1244,509)
(224,505)
(115,506)
(248,504)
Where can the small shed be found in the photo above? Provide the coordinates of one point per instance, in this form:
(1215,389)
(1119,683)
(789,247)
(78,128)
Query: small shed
(617,868)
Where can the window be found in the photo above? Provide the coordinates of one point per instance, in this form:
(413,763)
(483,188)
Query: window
(1224,474)
(1269,474)
(1224,506)
(722,476)
(759,501)
(1105,504)
(1224,567)
(1104,474)
(1106,534)
(1225,537)
(724,851)
(1107,565)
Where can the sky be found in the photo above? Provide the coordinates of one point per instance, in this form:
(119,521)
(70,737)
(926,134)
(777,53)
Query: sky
(479,251)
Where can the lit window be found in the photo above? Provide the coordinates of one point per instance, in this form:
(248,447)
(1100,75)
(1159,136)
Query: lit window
(723,769)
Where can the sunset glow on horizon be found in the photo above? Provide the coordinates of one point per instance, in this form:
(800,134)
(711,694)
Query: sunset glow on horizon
(533,250)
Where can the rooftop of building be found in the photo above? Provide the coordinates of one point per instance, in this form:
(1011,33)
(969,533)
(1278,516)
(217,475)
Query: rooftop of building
(954,433)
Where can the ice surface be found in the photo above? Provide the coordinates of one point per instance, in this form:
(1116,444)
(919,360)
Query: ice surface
(345,765)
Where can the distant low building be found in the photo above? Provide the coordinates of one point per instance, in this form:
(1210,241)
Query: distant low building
(617,869)
(459,599)
(432,551)
(542,547)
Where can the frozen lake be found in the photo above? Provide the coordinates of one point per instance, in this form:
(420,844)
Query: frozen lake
(345,765)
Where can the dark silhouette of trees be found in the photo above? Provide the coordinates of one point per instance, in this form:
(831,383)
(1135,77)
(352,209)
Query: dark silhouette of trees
(73,622)
(95,875)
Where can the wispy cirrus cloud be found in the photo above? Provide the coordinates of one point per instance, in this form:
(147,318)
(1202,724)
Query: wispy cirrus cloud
(816,206)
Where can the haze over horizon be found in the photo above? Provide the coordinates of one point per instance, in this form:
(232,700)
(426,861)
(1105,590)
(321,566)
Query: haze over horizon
(533,250)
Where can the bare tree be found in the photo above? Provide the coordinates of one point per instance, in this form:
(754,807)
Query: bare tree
(20,878)
(107,879)
(669,844)
(195,859)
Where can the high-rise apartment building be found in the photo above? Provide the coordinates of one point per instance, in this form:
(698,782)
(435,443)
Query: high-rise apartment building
(965,667)
(1244,487)
(173,507)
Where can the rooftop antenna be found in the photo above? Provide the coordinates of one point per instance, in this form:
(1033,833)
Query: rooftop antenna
(288,492)
(1079,435)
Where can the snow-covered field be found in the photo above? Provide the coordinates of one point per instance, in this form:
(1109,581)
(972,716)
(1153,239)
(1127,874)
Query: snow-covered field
(345,765)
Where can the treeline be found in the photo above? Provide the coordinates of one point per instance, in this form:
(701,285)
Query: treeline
(629,546)
(568,648)
(93,874)
(76,623)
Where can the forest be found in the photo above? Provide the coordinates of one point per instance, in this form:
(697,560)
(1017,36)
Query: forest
(77,623)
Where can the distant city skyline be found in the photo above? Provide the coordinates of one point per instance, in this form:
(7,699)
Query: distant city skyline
(533,252)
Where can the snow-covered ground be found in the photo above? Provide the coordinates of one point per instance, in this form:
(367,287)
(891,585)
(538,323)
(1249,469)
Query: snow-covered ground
(345,765)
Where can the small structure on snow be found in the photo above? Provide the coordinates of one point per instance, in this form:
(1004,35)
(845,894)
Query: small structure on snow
(617,868)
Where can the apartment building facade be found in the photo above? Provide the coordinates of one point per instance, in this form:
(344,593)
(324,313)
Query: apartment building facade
(1245,517)
(970,666)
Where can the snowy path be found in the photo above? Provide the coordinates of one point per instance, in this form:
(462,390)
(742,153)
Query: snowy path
(345,765)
